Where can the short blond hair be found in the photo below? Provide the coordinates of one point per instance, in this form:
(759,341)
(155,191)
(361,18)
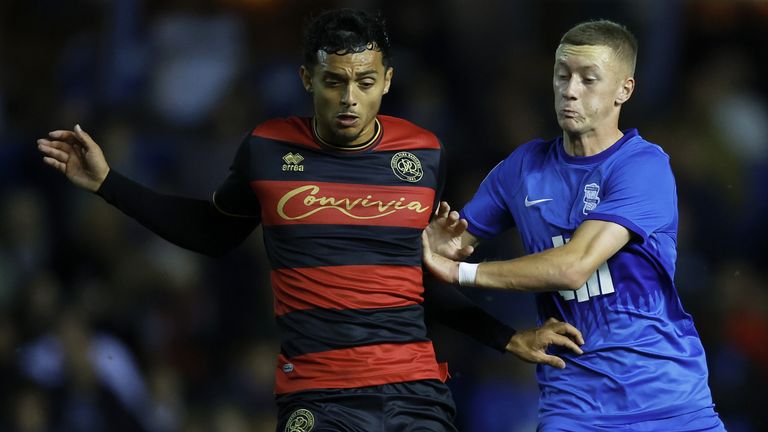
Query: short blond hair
(605,33)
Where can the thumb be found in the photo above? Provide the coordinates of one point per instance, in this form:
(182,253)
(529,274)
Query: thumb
(84,138)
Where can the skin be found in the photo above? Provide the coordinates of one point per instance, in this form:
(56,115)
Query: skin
(351,85)
(346,93)
(590,86)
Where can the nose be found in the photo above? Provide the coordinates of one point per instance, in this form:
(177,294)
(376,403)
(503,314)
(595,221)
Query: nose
(349,97)
(569,88)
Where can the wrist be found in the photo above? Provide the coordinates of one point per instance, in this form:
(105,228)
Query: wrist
(514,344)
(100,180)
(467,274)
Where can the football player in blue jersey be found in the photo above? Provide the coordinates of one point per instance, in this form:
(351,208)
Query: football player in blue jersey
(597,212)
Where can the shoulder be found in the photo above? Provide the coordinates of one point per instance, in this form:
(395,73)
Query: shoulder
(639,152)
(401,134)
(535,149)
(295,130)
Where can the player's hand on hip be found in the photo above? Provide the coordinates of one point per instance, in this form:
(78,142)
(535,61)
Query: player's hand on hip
(76,155)
(531,345)
(444,233)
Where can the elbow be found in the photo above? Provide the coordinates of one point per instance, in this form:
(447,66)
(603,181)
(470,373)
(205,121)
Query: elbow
(572,276)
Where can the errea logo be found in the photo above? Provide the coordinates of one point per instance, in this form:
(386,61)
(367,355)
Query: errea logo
(293,162)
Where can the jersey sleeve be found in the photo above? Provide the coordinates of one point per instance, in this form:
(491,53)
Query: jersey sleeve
(441,176)
(640,195)
(487,212)
(235,197)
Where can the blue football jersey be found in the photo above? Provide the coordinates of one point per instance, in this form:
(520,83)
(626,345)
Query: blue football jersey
(643,358)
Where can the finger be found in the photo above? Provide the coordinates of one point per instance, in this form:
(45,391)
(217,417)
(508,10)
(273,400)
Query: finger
(460,226)
(453,219)
(55,153)
(551,360)
(572,332)
(55,164)
(566,343)
(445,208)
(441,208)
(84,138)
(61,134)
(551,320)
(465,252)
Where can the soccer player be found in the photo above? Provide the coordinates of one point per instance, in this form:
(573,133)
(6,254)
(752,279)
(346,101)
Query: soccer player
(597,212)
(343,198)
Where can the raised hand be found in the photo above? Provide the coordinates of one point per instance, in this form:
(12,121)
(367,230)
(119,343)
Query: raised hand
(444,269)
(76,155)
(444,234)
(531,345)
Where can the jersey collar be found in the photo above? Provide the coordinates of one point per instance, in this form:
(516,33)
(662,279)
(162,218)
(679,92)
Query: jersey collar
(603,155)
(363,146)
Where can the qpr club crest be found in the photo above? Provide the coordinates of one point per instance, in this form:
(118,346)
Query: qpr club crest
(591,200)
(301,420)
(407,167)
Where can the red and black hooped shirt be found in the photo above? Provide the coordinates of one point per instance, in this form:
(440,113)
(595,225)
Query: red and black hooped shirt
(342,229)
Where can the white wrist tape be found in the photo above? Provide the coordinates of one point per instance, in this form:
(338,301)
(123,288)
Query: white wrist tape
(467,274)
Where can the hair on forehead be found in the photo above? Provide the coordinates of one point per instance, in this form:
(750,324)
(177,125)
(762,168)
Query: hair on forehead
(605,33)
(345,31)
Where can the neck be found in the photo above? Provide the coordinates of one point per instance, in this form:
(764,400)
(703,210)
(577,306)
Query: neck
(366,139)
(590,143)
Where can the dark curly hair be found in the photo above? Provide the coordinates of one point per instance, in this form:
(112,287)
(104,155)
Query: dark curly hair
(345,31)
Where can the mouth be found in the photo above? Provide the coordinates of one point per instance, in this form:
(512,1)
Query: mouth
(567,113)
(346,119)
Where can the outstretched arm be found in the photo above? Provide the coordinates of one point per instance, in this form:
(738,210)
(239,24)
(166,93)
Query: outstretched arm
(190,223)
(566,267)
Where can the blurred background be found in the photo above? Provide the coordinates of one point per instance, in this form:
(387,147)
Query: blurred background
(105,326)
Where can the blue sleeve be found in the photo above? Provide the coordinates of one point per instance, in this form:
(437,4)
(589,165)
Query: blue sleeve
(640,195)
(487,212)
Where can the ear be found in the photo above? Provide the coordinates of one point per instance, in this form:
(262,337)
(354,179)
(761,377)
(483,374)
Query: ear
(626,89)
(306,78)
(388,79)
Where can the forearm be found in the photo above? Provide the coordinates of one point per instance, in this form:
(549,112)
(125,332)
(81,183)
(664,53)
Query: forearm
(447,305)
(550,270)
(189,223)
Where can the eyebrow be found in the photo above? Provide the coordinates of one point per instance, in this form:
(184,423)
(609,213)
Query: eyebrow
(339,76)
(368,72)
(589,67)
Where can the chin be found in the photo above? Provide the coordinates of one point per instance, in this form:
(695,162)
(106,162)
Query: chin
(570,127)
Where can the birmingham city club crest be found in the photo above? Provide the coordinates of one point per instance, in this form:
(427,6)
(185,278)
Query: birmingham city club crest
(591,200)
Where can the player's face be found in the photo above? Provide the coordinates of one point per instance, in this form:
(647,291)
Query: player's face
(346,92)
(590,86)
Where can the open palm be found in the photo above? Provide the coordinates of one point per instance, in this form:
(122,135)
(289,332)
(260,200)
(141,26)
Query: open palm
(77,156)
(444,234)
